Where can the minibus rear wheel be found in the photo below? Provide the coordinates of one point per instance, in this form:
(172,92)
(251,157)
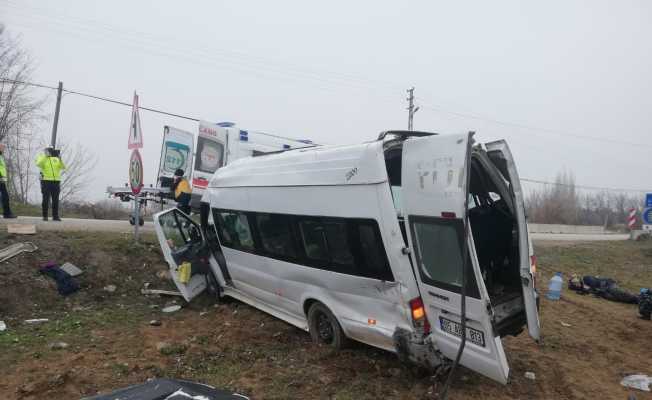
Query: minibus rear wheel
(324,328)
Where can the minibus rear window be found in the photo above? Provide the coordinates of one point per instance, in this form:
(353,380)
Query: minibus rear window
(438,244)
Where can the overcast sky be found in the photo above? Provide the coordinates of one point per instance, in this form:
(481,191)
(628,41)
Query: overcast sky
(547,76)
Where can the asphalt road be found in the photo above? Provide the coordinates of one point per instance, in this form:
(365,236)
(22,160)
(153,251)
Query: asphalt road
(98,225)
(78,224)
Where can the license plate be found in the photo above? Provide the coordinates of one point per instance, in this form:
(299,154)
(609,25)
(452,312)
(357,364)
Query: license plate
(455,328)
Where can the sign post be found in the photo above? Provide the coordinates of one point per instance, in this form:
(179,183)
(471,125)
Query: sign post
(135,162)
(647,213)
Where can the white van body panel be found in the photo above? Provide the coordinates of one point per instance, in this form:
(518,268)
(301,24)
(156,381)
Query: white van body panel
(529,291)
(352,182)
(434,178)
(322,188)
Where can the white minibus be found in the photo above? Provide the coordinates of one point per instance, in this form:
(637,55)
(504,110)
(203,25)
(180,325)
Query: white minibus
(381,242)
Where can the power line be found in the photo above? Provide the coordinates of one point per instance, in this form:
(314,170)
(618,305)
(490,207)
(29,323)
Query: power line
(256,65)
(532,128)
(584,186)
(122,103)
(154,110)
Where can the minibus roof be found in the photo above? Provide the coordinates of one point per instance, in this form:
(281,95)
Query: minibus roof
(359,164)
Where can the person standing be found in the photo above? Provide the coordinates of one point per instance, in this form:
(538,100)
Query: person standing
(51,166)
(6,209)
(182,191)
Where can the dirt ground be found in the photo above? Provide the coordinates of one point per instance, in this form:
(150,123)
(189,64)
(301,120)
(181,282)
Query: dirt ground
(111,343)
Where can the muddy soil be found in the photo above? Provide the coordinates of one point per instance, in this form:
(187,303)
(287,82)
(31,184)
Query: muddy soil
(589,344)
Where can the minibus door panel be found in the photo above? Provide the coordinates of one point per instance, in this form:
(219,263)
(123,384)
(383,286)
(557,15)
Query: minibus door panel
(182,242)
(434,191)
(501,156)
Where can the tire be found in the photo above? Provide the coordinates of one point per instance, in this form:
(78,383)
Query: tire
(324,328)
(132,220)
(141,221)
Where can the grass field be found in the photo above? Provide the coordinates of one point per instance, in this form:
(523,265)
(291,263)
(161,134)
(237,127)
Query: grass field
(231,345)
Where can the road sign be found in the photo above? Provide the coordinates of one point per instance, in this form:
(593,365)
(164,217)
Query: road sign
(647,216)
(135,130)
(135,172)
(648,200)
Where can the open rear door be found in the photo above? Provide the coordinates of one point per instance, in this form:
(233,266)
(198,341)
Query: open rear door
(501,156)
(184,250)
(434,190)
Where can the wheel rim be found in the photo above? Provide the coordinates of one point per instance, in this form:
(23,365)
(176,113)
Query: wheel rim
(324,328)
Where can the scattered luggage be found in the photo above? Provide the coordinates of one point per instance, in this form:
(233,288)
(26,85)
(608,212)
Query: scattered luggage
(169,389)
(66,284)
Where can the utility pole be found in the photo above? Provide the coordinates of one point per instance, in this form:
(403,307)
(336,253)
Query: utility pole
(411,109)
(53,143)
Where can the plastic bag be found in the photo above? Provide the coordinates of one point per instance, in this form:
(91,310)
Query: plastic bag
(640,382)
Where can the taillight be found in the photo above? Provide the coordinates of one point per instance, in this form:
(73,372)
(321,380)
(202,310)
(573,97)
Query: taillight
(533,270)
(419,315)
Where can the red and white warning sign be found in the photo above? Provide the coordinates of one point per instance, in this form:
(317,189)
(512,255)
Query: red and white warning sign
(135,130)
(631,219)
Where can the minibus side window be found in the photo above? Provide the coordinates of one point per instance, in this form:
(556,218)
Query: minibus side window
(326,240)
(233,230)
(375,264)
(276,234)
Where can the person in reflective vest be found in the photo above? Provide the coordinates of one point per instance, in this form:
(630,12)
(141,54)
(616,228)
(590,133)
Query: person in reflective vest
(6,209)
(51,166)
(182,191)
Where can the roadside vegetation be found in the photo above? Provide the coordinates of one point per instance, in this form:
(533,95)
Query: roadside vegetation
(108,341)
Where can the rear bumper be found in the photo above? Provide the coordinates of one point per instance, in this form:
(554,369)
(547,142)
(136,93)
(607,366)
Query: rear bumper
(413,349)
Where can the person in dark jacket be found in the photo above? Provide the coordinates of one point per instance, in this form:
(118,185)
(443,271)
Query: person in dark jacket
(6,209)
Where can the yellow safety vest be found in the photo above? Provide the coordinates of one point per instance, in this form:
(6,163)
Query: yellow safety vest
(50,167)
(182,187)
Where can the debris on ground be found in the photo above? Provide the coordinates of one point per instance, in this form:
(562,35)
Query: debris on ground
(171,309)
(15,249)
(59,345)
(645,303)
(640,382)
(530,375)
(36,321)
(170,389)
(3,326)
(164,274)
(110,288)
(71,269)
(565,325)
(66,284)
(21,229)
(155,322)
(160,292)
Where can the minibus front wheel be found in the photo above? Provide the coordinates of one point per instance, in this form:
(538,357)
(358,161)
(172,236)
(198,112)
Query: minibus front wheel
(324,328)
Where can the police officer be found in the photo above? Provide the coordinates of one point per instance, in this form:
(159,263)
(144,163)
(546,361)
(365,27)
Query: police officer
(6,210)
(182,191)
(51,166)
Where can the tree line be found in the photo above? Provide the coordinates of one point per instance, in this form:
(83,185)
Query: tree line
(563,203)
(23,127)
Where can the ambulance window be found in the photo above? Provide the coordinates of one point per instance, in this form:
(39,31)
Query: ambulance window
(210,155)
